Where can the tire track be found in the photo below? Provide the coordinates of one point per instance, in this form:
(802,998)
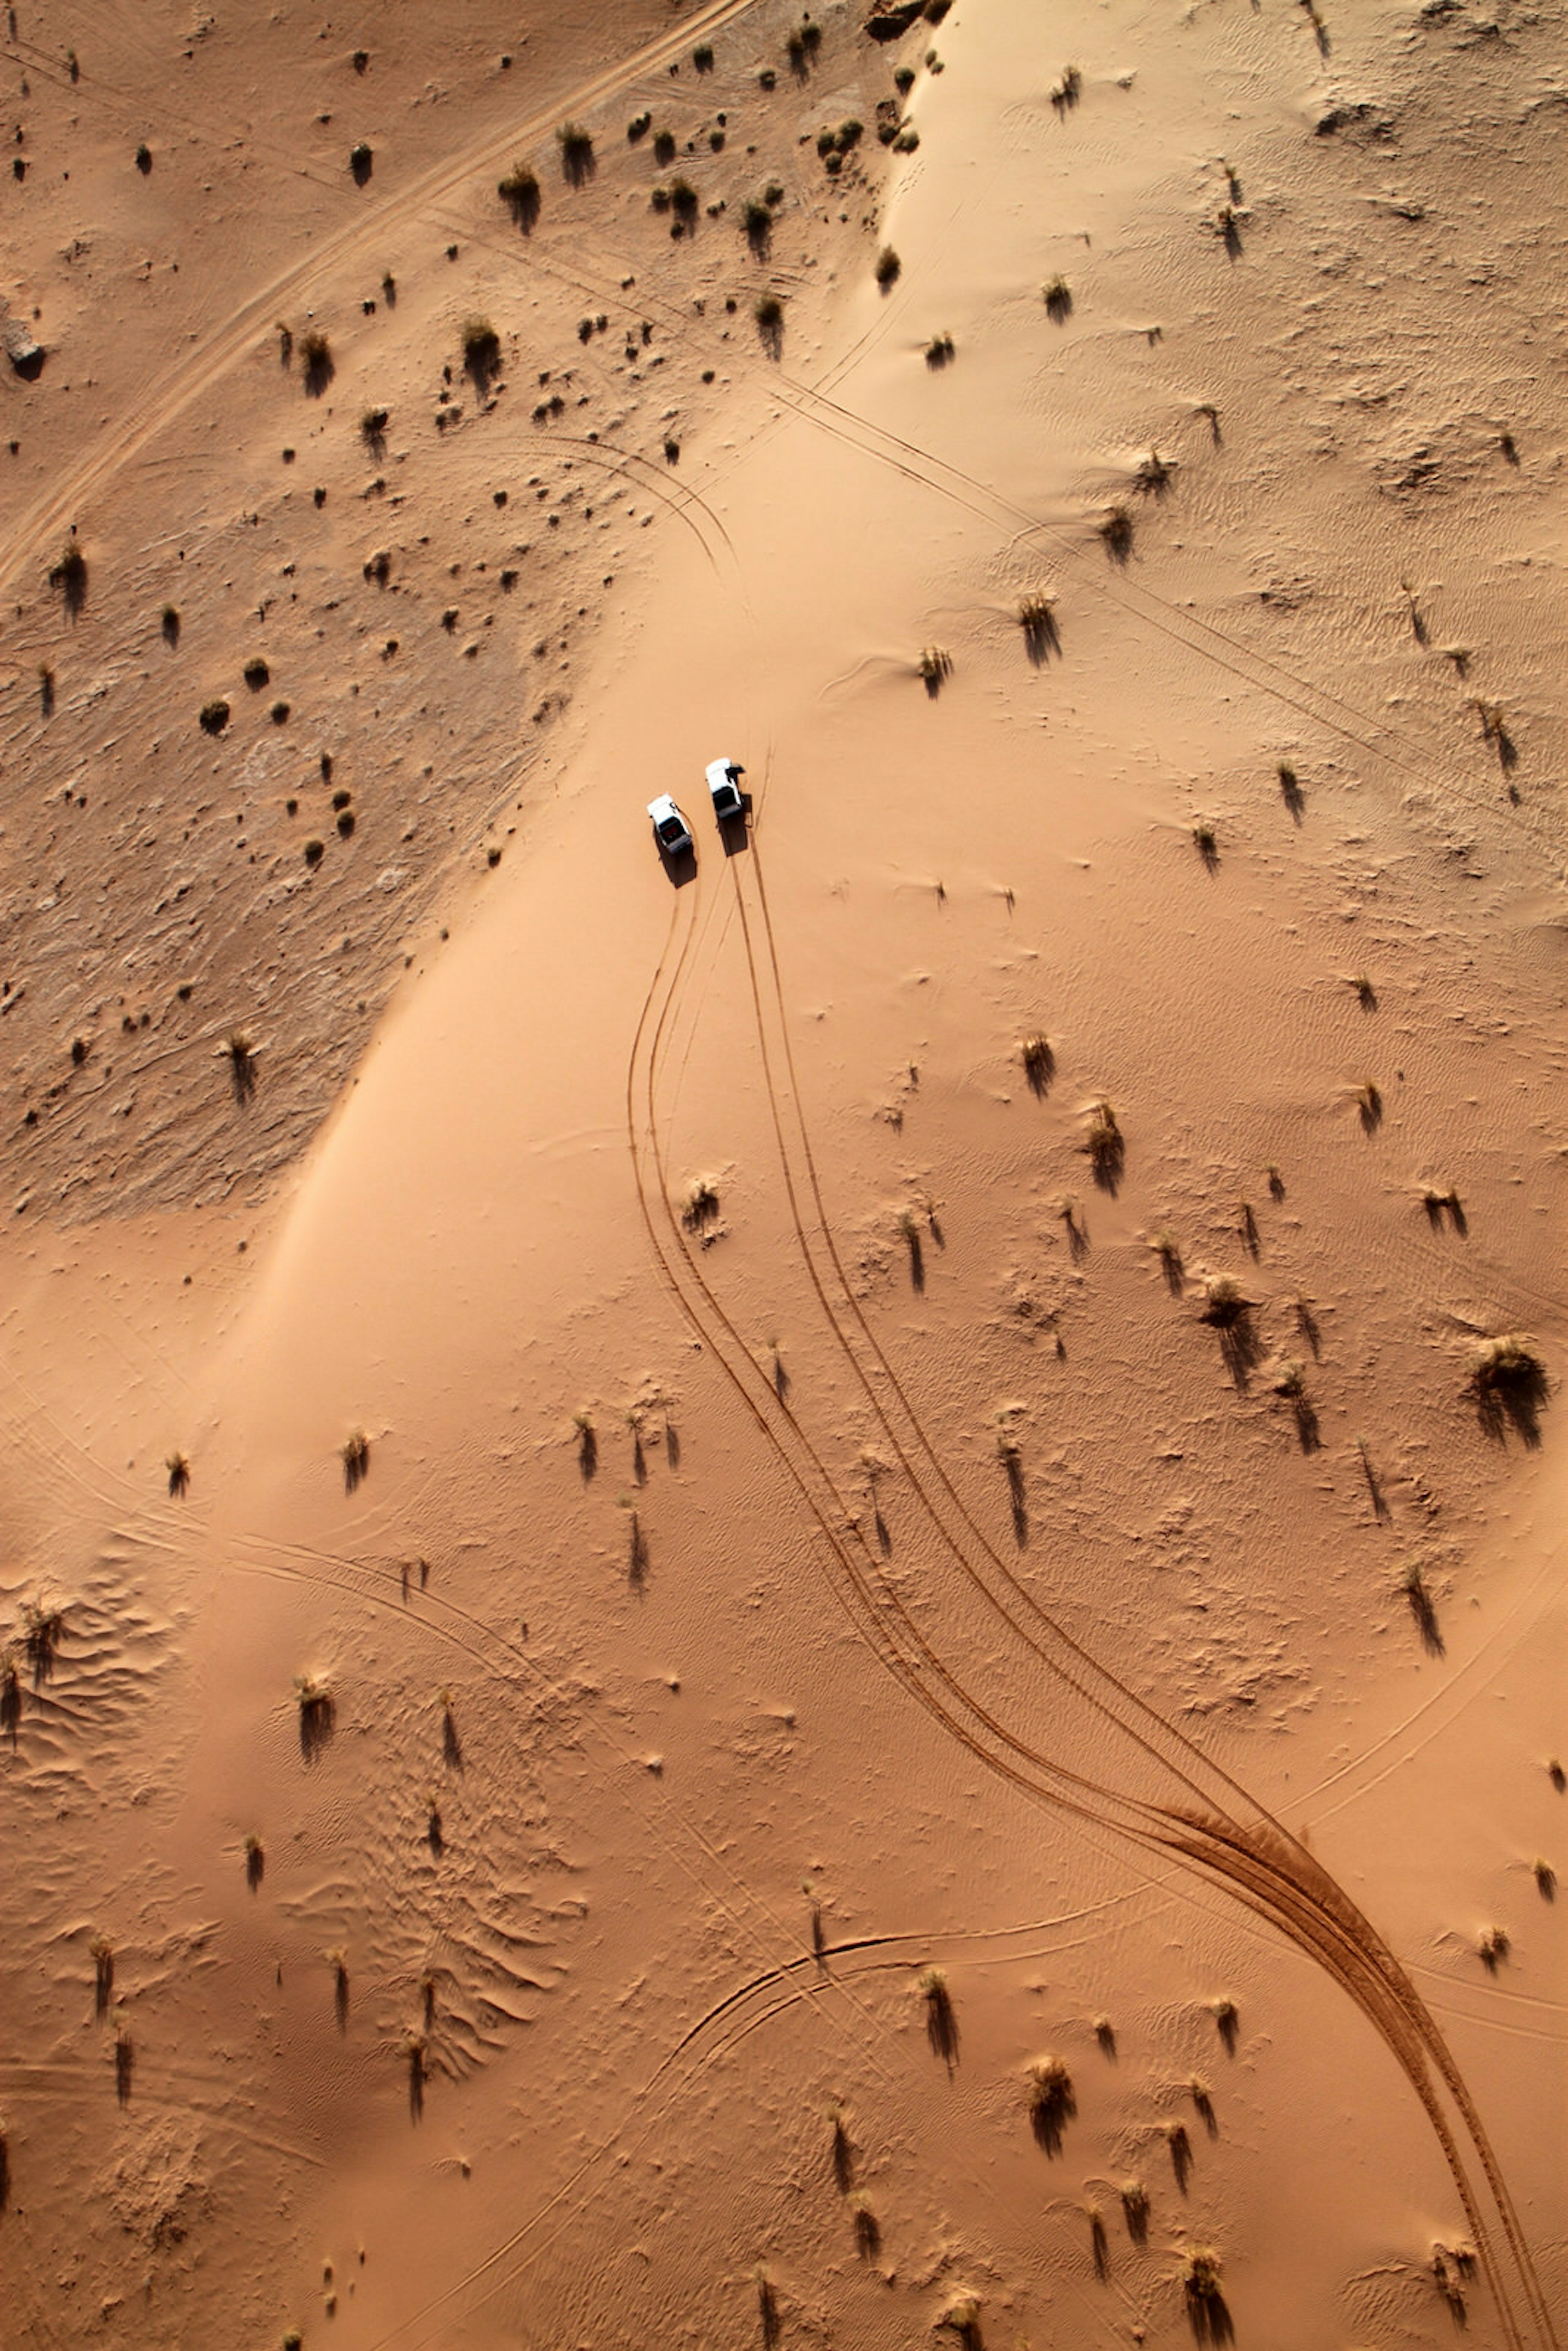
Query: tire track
(209,363)
(1251,1856)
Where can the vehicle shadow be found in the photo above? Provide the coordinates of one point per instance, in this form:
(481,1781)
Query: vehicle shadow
(680,869)
(735,831)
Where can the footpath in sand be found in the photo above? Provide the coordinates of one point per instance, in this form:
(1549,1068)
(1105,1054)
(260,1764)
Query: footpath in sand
(795,1603)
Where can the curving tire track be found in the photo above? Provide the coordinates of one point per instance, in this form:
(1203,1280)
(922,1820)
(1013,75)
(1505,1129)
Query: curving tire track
(211,361)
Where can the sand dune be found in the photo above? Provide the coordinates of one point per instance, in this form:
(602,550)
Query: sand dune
(806,1598)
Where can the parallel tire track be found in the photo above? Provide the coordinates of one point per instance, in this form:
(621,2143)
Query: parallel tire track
(1212,1825)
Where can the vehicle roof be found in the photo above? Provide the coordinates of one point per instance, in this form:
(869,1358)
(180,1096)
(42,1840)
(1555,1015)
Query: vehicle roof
(718,771)
(663,806)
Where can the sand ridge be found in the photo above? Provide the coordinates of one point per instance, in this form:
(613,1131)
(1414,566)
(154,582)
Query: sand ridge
(758,1859)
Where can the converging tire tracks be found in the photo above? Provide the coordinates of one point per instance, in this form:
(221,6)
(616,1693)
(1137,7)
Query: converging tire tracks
(1201,1817)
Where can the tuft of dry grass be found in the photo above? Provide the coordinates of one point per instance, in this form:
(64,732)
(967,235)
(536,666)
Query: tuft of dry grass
(1492,1946)
(941,2017)
(316,362)
(1152,475)
(355,1456)
(68,575)
(1508,1384)
(317,1715)
(1052,2102)
(1206,2310)
(1104,1147)
(888,268)
(578,162)
(1116,534)
(255,1860)
(1057,296)
(1037,619)
(934,668)
(769,314)
(1038,1062)
(178,1466)
(520,191)
(42,1629)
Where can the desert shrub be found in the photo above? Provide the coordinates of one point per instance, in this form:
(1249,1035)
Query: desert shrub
(213,715)
(1037,619)
(520,191)
(69,576)
(769,316)
(1058,298)
(360,163)
(888,267)
(1116,534)
(1052,2102)
(577,157)
(256,674)
(316,357)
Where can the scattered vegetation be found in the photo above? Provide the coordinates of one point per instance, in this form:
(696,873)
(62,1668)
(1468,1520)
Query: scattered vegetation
(939,350)
(1290,791)
(1207,2314)
(1167,1248)
(843,2152)
(1230,1313)
(373,431)
(1116,534)
(1227,2022)
(360,163)
(577,157)
(1153,476)
(909,1233)
(337,1960)
(867,2229)
(941,2020)
(520,191)
(701,1208)
(888,268)
(101,1952)
(1291,1385)
(934,668)
(67,576)
(801,48)
(961,2316)
(1052,2102)
(213,715)
(1413,1584)
(1037,619)
(481,351)
(1492,1946)
(757,222)
(1068,90)
(587,1444)
(317,1715)
(46,689)
(1135,2210)
(1180,2146)
(355,1455)
(1545,1878)
(1206,845)
(316,356)
(1104,1147)
(1453,2266)
(1449,1204)
(255,1860)
(1038,1062)
(1369,1105)
(1508,1385)
(41,1631)
(179,1470)
(144,158)
(1057,296)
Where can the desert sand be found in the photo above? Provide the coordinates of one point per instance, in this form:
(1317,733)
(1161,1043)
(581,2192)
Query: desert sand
(817,1597)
